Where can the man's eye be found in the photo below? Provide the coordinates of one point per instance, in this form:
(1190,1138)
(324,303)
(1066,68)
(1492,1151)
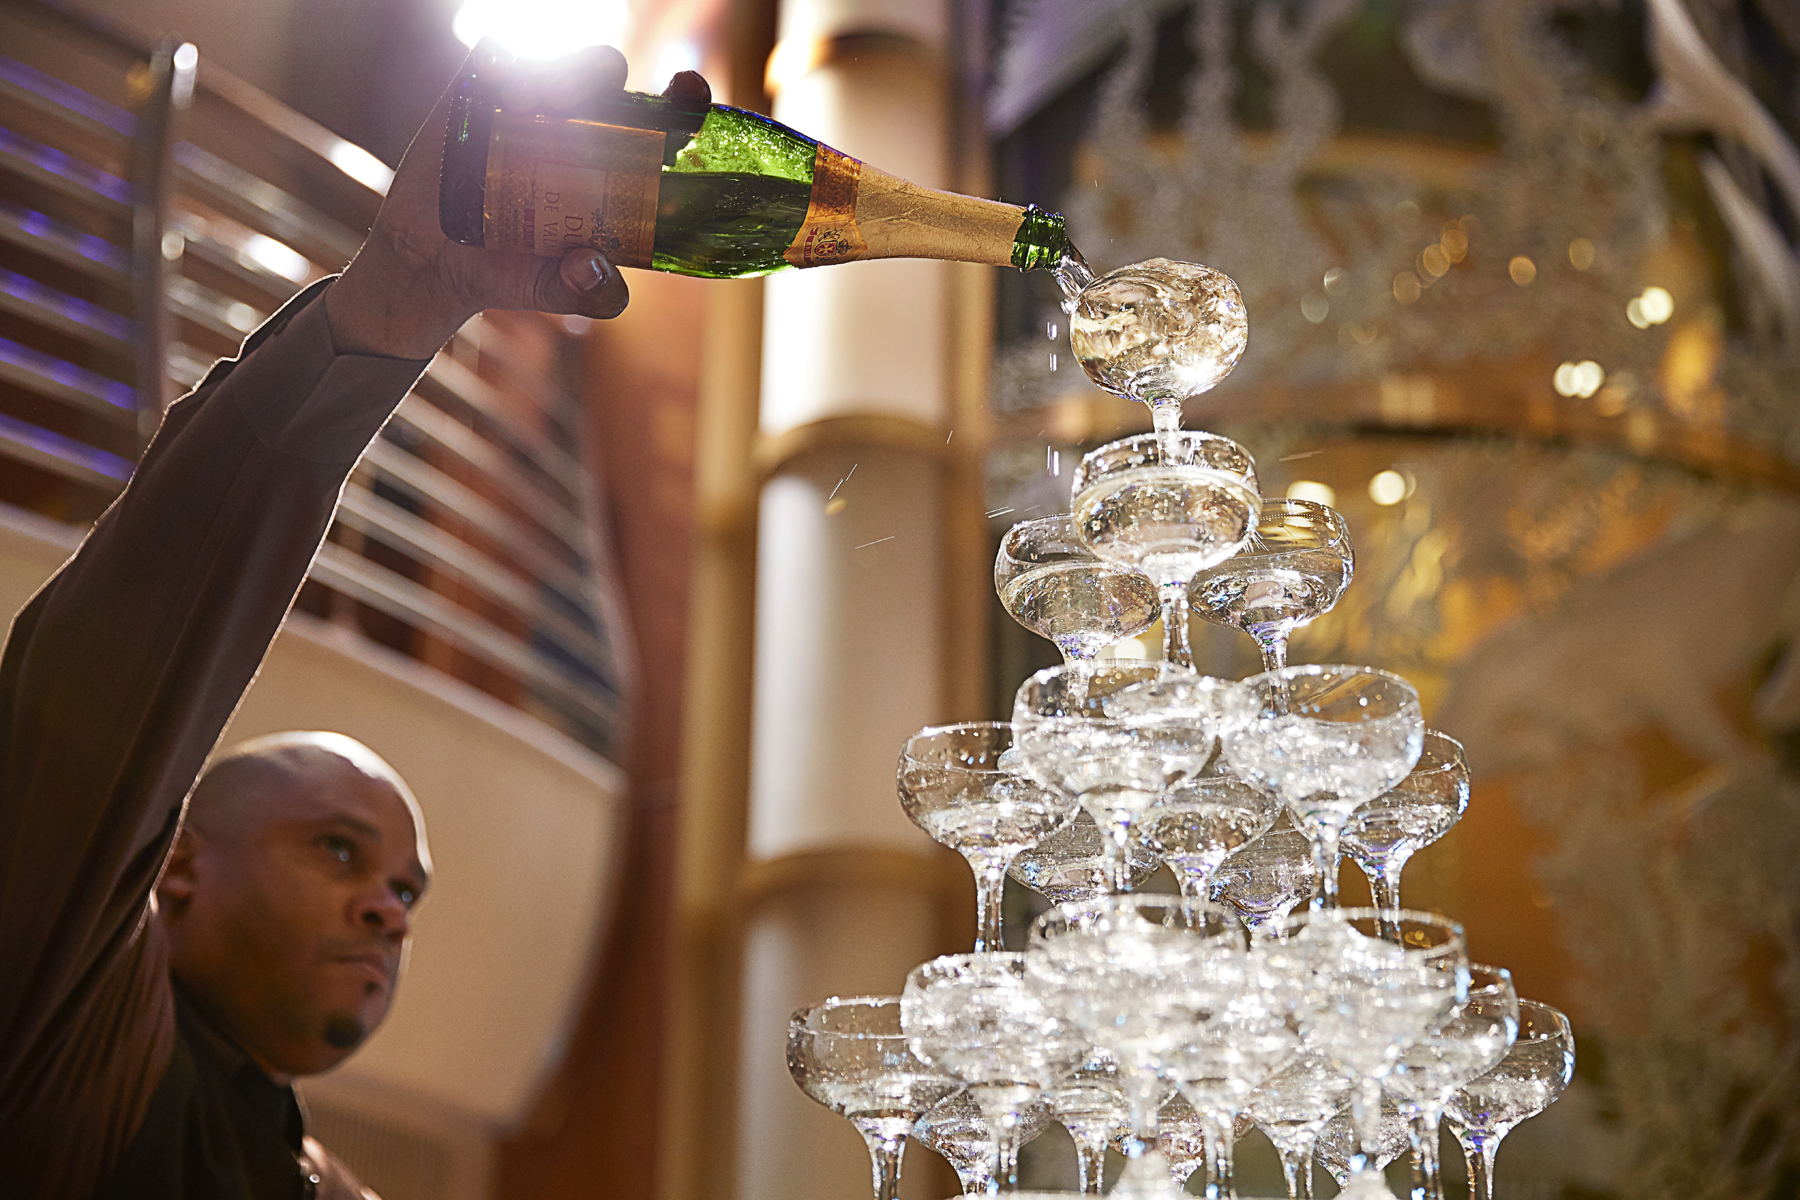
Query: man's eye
(407,896)
(338,848)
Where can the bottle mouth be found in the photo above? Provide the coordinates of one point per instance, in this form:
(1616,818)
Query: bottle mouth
(1040,240)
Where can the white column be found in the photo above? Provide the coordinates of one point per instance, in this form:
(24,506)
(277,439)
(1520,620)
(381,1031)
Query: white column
(849,595)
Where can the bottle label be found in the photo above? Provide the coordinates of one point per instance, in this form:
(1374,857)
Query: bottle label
(553,185)
(829,234)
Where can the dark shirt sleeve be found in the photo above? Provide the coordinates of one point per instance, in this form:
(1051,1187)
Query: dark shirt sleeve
(117,679)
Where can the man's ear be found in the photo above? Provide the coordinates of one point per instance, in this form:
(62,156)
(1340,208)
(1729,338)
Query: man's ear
(176,887)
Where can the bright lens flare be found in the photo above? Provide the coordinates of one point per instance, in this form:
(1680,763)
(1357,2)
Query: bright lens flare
(1581,379)
(542,28)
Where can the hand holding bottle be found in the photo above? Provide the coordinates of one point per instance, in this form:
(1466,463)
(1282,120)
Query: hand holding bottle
(409,287)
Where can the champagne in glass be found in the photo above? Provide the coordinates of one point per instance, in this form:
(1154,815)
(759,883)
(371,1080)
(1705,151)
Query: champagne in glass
(959,1133)
(1465,1047)
(1116,760)
(1384,834)
(850,1055)
(955,784)
(1293,571)
(1196,824)
(1265,880)
(979,1018)
(1169,505)
(1325,740)
(1158,332)
(1054,586)
(1537,1067)
(1074,863)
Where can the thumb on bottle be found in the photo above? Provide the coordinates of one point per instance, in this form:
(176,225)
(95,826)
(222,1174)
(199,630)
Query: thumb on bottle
(584,270)
(582,282)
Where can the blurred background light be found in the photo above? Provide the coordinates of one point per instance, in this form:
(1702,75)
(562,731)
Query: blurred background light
(1581,379)
(1388,487)
(360,165)
(1522,270)
(265,251)
(1310,489)
(1652,306)
(543,28)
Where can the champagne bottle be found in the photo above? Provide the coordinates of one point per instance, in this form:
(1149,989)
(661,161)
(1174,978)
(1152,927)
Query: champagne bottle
(712,191)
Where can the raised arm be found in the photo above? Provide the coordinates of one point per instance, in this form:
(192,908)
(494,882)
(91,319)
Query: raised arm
(120,674)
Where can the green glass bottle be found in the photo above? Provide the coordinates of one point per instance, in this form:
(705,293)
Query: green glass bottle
(712,191)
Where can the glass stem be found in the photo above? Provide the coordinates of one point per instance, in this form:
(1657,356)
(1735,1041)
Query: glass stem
(1081,672)
(1165,418)
(1118,850)
(1000,1108)
(1479,1150)
(1193,884)
(1143,1096)
(1365,1114)
(1384,885)
(1090,1158)
(1428,1180)
(1325,857)
(1296,1168)
(990,892)
(1218,1127)
(1274,650)
(1175,623)
(884,1162)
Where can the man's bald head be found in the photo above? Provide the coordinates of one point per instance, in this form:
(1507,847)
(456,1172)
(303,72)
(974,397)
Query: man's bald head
(258,777)
(289,892)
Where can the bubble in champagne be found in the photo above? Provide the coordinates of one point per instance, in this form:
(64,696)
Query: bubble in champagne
(1159,330)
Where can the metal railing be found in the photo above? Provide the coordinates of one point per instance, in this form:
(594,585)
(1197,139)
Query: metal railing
(152,212)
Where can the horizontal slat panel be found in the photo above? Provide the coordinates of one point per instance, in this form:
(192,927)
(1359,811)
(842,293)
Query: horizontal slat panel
(62,456)
(24,84)
(478,394)
(400,597)
(230,319)
(188,366)
(65,244)
(431,485)
(373,517)
(25,297)
(202,246)
(64,173)
(531,496)
(493,462)
(50,376)
(264,206)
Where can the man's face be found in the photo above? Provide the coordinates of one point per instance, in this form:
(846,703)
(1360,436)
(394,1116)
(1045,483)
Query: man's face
(290,914)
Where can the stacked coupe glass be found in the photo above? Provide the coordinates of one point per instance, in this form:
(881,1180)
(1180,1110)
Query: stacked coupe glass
(1164,1025)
